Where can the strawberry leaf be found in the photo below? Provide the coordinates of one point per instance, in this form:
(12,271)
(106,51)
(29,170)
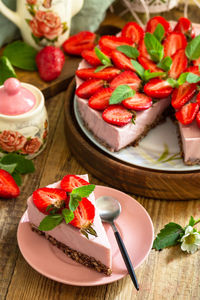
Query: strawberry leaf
(168,236)
(68,215)
(74,201)
(50,222)
(23,165)
(192,50)
(6,70)
(9,168)
(192,221)
(122,92)
(159,32)
(129,51)
(154,47)
(17,178)
(165,63)
(84,191)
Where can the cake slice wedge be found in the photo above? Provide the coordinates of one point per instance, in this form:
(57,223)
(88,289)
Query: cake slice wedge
(93,252)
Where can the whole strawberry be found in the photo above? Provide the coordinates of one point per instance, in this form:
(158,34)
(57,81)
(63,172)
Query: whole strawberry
(50,61)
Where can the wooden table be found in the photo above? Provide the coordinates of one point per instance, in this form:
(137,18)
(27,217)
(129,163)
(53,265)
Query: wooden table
(169,274)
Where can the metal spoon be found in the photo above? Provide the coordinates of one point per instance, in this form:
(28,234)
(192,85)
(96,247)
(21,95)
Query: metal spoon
(109,209)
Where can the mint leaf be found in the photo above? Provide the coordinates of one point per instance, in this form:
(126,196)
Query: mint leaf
(192,221)
(21,55)
(148,75)
(68,215)
(74,201)
(100,68)
(129,51)
(50,222)
(6,70)
(23,165)
(154,47)
(182,78)
(9,168)
(192,50)
(173,82)
(122,92)
(192,78)
(105,60)
(168,236)
(159,32)
(138,68)
(165,63)
(17,178)
(84,191)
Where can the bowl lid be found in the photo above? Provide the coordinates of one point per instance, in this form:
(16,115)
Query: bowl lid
(15,99)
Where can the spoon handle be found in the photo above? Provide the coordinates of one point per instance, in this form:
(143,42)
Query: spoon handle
(125,256)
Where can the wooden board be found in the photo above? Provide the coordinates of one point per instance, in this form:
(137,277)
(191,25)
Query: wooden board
(124,176)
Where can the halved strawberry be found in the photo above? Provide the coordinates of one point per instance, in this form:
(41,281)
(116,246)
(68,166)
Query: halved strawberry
(198,119)
(148,64)
(196,62)
(143,50)
(44,197)
(83,40)
(91,57)
(100,100)
(133,31)
(179,64)
(8,186)
(108,43)
(70,182)
(173,42)
(89,88)
(153,22)
(121,61)
(117,115)
(193,69)
(138,102)
(187,113)
(107,74)
(127,77)
(185,26)
(157,88)
(198,98)
(183,94)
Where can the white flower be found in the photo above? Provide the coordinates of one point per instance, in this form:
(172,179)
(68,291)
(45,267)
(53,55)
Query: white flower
(190,240)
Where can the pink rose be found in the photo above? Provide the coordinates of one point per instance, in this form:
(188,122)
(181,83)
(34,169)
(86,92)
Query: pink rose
(47,3)
(12,140)
(46,24)
(31,2)
(31,146)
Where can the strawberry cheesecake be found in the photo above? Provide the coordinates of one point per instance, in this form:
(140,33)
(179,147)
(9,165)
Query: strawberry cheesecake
(126,83)
(63,215)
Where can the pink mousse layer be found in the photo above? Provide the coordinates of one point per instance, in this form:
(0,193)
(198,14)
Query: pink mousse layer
(97,247)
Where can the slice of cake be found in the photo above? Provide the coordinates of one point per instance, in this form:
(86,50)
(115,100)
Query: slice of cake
(83,239)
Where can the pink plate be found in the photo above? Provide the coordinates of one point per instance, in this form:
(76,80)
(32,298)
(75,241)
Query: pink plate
(135,227)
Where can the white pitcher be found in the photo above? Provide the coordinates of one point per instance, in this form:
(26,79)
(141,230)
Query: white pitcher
(43,22)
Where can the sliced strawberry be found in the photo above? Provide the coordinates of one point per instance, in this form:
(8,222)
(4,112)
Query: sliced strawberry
(153,22)
(158,88)
(108,43)
(185,26)
(198,98)
(173,42)
(117,115)
(91,57)
(107,74)
(89,88)
(133,31)
(198,119)
(193,69)
(126,77)
(8,186)
(187,113)
(148,64)
(83,40)
(70,182)
(143,50)
(44,197)
(179,64)
(183,94)
(196,62)
(138,102)
(100,100)
(121,61)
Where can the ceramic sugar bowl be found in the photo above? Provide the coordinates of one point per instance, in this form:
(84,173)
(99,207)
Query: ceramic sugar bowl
(23,119)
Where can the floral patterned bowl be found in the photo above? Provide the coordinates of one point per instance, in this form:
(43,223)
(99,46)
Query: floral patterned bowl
(26,133)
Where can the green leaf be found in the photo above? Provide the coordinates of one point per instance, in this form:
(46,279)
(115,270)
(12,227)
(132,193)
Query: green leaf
(84,191)
(100,68)
(154,47)
(192,78)
(21,55)
(129,51)
(17,178)
(182,78)
(173,82)
(138,68)
(159,32)
(122,92)
(23,165)
(192,221)
(50,222)
(165,63)
(68,215)
(6,70)
(192,50)
(168,236)
(74,201)
(149,75)
(9,168)
(105,60)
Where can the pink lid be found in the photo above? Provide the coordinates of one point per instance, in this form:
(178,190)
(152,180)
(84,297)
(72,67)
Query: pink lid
(15,99)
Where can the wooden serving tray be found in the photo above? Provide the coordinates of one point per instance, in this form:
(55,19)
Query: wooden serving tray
(123,176)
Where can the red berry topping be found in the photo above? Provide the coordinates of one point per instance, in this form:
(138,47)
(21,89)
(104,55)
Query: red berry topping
(198,119)
(127,77)
(183,94)
(107,74)
(187,113)
(148,64)
(196,62)
(158,88)
(198,98)
(153,22)
(100,100)
(89,88)
(108,43)
(8,186)
(133,31)
(138,102)
(117,115)
(173,42)
(121,61)
(143,50)
(179,64)
(185,26)
(70,182)
(91,57)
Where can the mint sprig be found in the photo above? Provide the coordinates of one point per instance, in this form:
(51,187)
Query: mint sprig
(105,60)
(145,75)
(121,93)
(154,47)
(6,70)
(159,32)
(129,51)
(192,50)
(165,63)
